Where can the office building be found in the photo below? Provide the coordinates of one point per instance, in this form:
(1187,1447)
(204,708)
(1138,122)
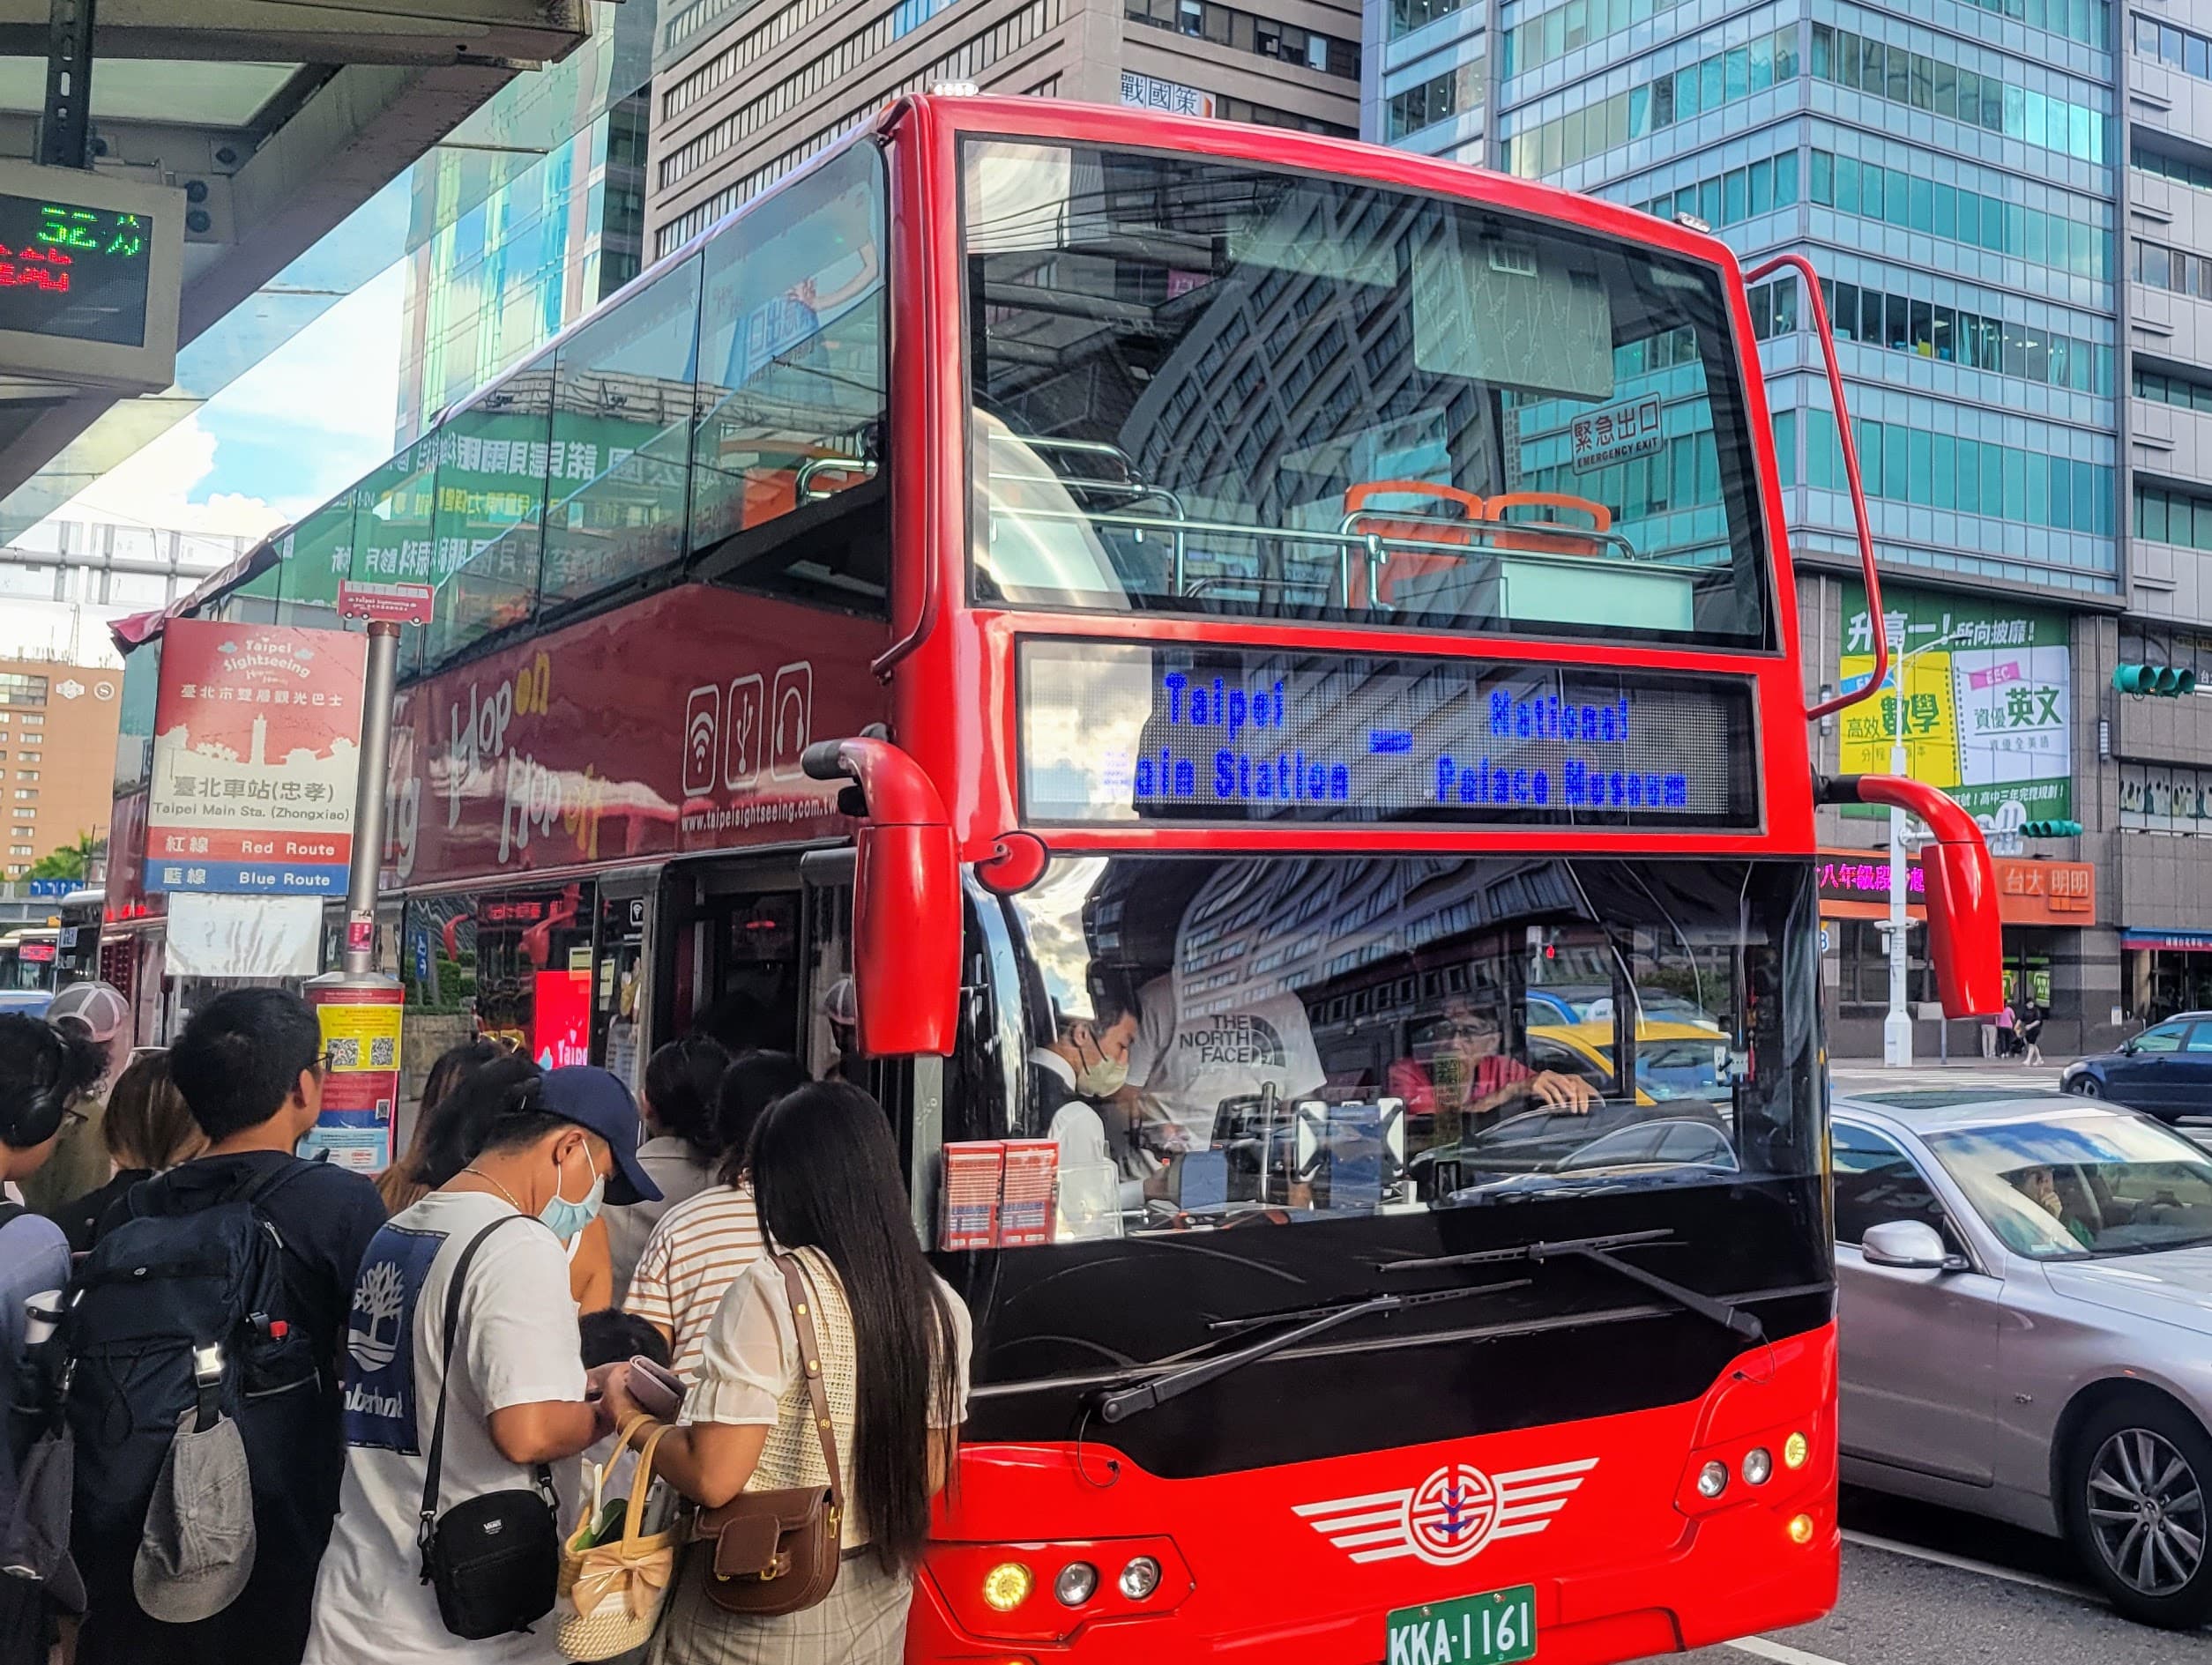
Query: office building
(57,756)
(525,216)
(743,94)
(2010,203)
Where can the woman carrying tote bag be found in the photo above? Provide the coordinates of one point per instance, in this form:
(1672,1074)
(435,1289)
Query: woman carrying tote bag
(893,1377)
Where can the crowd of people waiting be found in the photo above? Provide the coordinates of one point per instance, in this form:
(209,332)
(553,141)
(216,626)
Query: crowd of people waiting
(262,1409)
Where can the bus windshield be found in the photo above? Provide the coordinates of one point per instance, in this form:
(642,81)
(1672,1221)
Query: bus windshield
(1202,386)
(1207,1039)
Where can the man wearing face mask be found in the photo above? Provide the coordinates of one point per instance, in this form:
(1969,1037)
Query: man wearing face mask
(1086,1063)
(543,1157)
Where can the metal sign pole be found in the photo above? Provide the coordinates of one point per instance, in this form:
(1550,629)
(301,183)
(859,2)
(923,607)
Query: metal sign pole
(368,798)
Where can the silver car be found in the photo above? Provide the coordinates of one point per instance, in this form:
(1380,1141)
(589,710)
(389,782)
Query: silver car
(2026,1329)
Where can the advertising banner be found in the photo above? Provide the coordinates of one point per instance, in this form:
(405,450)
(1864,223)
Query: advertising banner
(673,724)
(1987,713)
(256,743)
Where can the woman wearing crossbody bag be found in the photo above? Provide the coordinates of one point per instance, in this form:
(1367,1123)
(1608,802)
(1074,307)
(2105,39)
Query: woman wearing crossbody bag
(892,1354)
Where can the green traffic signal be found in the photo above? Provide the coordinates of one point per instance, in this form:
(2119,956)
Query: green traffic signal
(2166,681)
(2051,829)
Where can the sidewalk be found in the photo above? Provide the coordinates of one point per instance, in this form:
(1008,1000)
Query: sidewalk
(1928,1074)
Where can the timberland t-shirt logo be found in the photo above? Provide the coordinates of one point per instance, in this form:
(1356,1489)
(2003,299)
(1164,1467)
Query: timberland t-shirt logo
(379,1403)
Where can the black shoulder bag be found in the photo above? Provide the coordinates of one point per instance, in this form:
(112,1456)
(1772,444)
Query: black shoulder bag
(493,1560)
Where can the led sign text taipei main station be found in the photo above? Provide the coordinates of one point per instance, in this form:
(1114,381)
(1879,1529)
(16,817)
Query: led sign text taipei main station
(1162,733)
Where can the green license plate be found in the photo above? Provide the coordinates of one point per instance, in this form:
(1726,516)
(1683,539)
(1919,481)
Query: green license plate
(1490,1628)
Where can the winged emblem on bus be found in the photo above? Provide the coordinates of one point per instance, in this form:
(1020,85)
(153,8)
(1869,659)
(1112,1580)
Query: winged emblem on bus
(1450,1516)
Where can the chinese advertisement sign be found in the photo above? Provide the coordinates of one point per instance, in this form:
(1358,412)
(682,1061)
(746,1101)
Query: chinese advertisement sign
(1987,713)
(257,731)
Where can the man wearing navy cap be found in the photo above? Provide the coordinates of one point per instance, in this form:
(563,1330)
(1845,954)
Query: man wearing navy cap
(547,1154)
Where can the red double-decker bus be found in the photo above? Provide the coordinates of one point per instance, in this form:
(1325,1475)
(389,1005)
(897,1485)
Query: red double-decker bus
(1249,685)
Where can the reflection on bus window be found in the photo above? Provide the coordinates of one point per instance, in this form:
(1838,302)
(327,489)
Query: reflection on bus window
(1302,1038)
(1209,387)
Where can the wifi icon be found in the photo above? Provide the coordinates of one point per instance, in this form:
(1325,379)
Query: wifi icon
(701,737)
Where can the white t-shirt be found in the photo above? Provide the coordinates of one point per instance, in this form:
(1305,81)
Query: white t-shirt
(517,1345)
(1189,1064)
(693,1256)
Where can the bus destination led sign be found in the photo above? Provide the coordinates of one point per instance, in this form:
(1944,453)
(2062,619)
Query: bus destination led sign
(1120,733)
(74,272)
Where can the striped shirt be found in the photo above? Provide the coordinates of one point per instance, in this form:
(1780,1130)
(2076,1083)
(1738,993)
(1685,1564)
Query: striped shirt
(694,1254)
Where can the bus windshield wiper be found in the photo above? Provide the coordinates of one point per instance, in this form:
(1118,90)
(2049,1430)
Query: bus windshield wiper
(1120,1405)
(1600,1252)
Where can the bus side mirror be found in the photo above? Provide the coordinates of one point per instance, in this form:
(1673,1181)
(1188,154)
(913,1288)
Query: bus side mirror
(1965,945)
(906,899)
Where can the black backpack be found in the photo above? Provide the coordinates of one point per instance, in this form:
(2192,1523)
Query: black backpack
(177,1315)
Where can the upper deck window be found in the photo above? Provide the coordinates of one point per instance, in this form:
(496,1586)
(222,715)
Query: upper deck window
(1207,387)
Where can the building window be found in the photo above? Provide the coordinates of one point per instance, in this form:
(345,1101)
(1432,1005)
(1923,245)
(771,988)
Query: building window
(26,792)
(2186,392)
(2159,267)
(1974,477)
(21,690)
(2176,48)
(1861,313)
(1989,102)
(1693,90)
(1454,93)
(26,774)
(2066,233)
(2164,515)
(26,757)
(1246,31)
(1409,15)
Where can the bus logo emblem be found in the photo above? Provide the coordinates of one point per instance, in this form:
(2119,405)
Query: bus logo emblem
(1451,1516)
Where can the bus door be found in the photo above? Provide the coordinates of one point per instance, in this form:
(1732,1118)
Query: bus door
(727,954)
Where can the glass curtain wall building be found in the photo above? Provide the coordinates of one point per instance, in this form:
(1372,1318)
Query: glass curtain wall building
(2010,204)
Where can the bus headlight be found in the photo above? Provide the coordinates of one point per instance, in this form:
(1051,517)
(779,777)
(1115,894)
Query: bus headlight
(1795,1450)
(1007,1586)
(1758,1466)
(1801,1528)
(1140,1578)
(1712,1480)
(1077,1583)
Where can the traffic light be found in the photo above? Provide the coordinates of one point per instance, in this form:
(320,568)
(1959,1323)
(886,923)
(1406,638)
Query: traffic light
(2166,681)
(2051,830)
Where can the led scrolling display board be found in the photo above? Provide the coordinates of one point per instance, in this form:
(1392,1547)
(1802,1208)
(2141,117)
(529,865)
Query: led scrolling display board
(1120,733)
(91,269)
(66,269)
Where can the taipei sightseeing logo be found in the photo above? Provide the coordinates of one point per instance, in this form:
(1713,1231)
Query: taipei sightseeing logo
(1451,1516)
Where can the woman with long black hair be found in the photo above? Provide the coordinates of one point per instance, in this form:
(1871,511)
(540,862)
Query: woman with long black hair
(893,1355)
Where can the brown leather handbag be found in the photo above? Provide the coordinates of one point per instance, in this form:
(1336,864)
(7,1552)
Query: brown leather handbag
(776,1552)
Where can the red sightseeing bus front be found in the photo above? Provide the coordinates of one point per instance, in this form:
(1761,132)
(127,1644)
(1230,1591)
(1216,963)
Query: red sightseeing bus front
(1350,701)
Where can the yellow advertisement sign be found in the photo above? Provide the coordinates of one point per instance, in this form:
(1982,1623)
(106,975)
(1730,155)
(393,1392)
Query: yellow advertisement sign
(360,1038)
(1930,720)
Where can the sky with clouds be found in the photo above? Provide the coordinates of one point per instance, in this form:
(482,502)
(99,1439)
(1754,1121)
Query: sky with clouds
(297,427)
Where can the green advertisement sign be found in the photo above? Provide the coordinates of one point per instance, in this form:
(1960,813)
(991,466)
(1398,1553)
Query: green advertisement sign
(1985,711)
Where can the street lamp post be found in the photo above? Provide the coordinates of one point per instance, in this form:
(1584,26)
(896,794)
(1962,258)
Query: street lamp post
(1897,1027)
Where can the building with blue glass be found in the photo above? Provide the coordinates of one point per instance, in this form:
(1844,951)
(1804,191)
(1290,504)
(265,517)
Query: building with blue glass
(2010,205)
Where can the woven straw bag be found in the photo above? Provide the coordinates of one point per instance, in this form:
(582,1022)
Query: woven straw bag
(611,1593)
